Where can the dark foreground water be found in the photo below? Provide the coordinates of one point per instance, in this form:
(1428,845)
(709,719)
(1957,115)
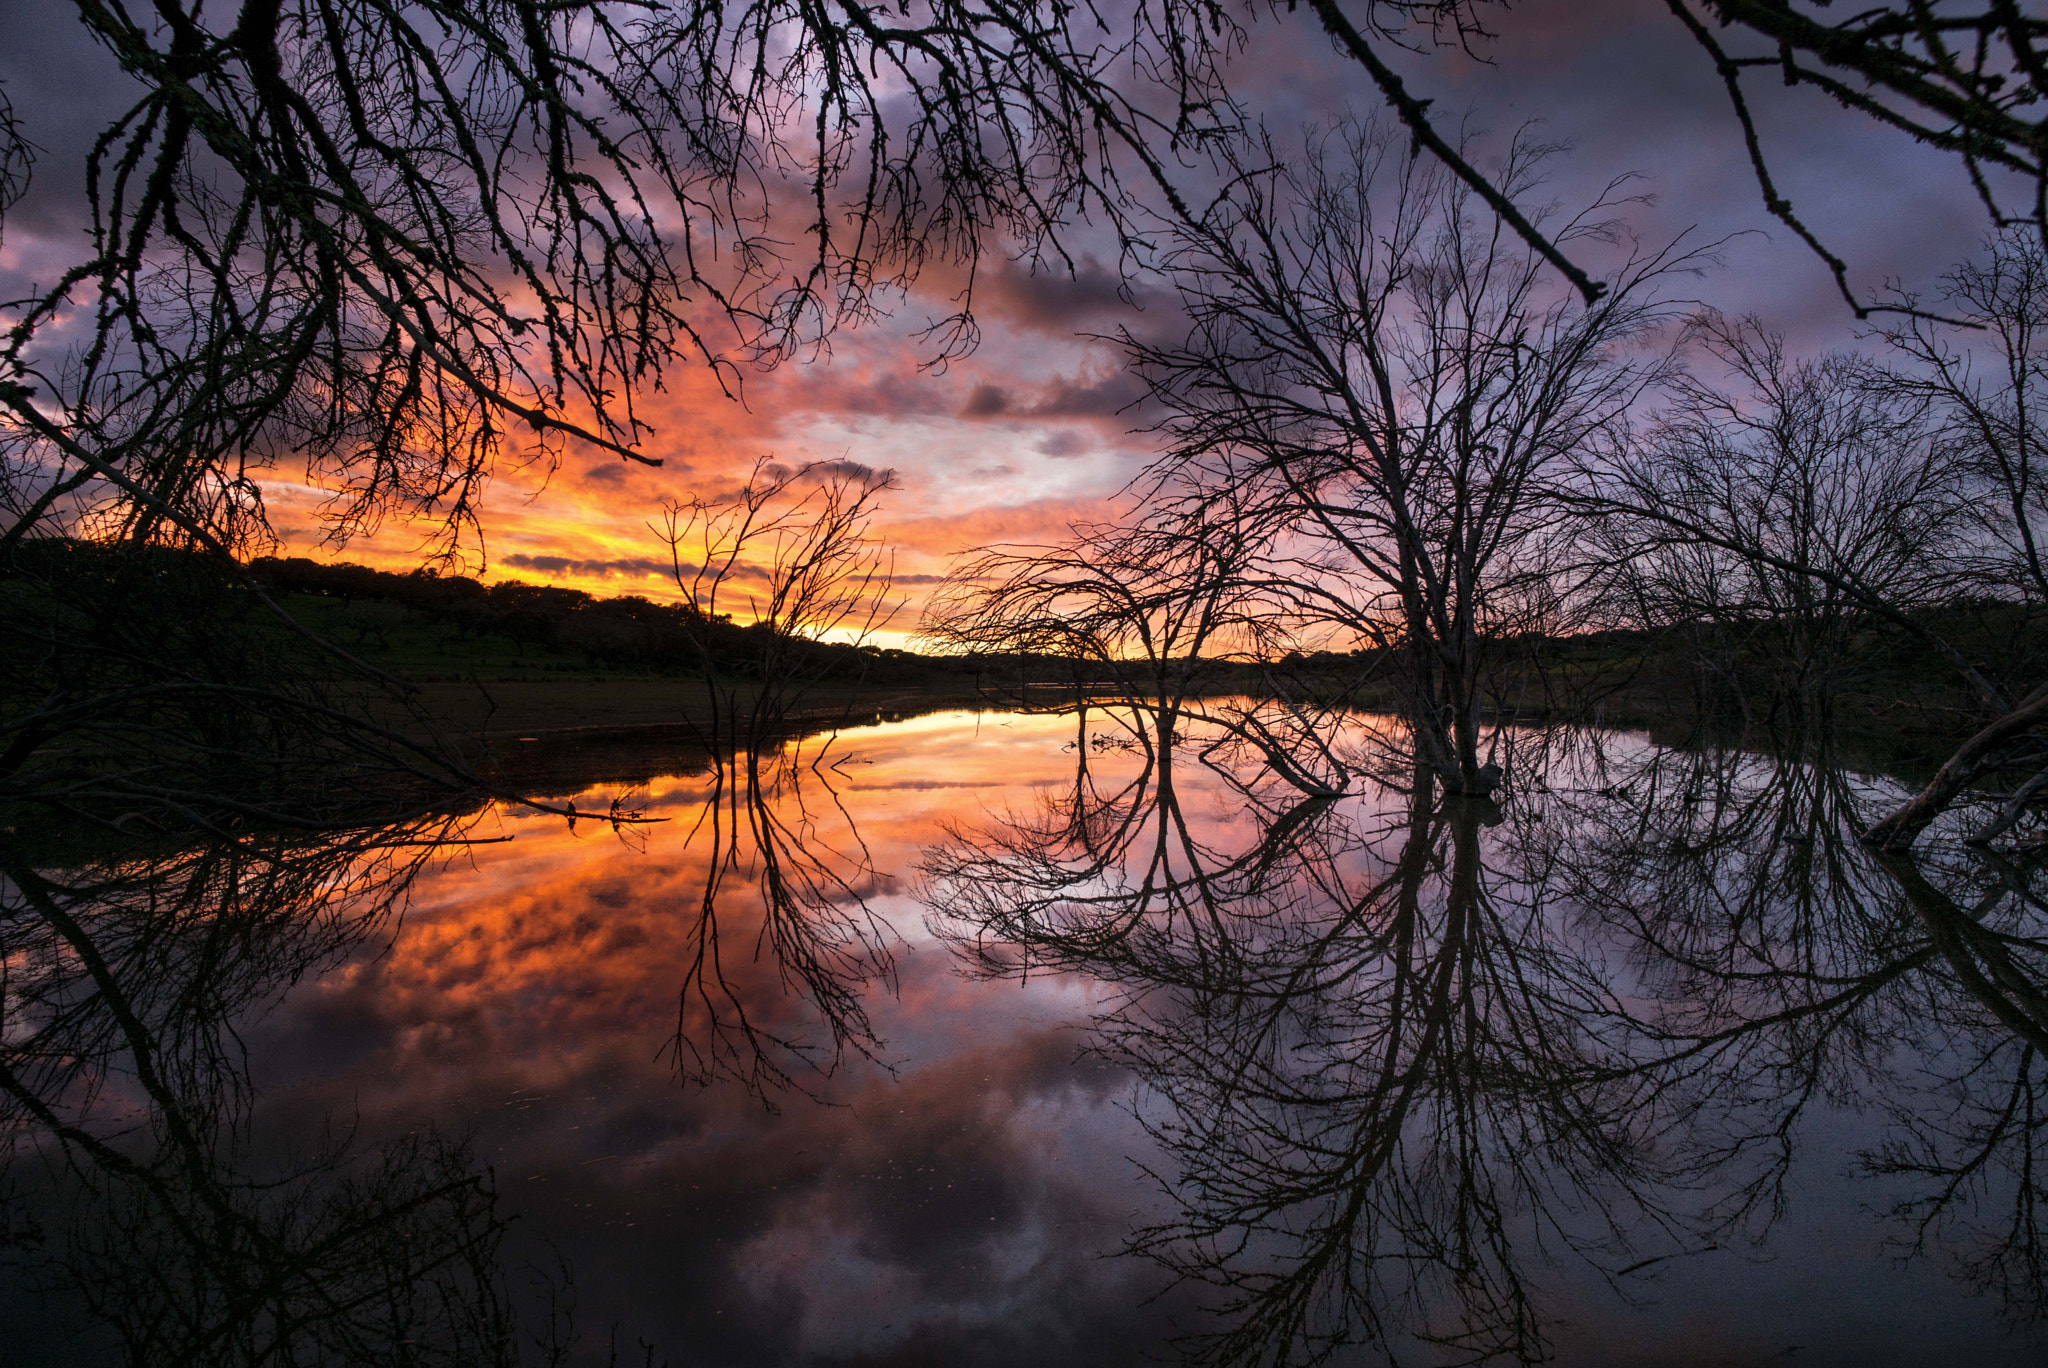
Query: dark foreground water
(1026,1039)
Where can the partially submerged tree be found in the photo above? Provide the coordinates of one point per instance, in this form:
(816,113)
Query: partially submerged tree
(1152,605)
(1394,381)
(791,550)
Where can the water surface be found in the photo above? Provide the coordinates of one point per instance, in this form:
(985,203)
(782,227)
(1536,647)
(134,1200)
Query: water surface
(1015,1038)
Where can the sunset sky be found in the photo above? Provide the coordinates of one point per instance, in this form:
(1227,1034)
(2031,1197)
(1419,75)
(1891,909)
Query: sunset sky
(1034,429)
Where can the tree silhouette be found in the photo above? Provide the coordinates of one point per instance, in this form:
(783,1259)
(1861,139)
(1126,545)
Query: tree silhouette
(1394,386)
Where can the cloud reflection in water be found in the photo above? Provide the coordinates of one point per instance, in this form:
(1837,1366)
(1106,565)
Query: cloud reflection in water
(1649,1063)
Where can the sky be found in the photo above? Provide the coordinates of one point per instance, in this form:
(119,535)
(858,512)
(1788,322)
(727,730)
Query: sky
(1037,428)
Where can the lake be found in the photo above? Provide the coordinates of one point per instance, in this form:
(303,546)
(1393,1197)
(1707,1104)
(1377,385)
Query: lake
(1060,1036)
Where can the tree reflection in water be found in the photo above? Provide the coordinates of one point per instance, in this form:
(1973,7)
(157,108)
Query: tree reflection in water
(143,1193)
(1400,1049)
(137,1191)
(773,823)
(1785,965)
(1404,1058)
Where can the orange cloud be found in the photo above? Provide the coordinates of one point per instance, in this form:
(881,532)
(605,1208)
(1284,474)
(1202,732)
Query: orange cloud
(970,470)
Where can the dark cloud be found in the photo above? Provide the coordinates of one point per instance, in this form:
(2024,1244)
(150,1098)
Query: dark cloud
(1065,444)
(1050,299)
(1107,396)
(986,402)
(1112,394)
(821,471)
(65,89)
(633,567)
(904,395)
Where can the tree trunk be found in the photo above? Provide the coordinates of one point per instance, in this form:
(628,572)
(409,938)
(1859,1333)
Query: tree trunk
(1896,831)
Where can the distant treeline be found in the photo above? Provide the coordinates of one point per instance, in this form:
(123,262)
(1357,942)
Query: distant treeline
(1739,674)
(1756,674)
(81,580)
(627,630)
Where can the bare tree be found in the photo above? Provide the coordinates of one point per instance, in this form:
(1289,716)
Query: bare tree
(1985,380)
(1789,502)
(1803,492)
(1989,393)
(391,238)
(1396,380)
(1142,601)
(1153,605)
(792,549)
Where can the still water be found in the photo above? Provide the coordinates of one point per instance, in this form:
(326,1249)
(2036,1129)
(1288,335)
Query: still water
(1042,1037)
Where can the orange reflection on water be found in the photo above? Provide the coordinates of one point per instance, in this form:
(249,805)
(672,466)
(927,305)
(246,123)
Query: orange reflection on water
(534,992)
(569,931)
